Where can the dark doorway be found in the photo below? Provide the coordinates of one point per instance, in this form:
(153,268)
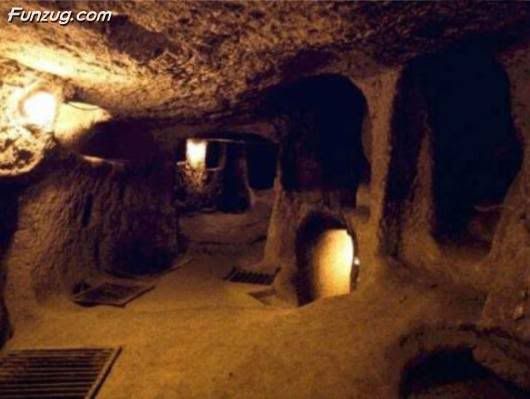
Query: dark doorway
(476,152)
(454,375)
(261,160)
(323,148)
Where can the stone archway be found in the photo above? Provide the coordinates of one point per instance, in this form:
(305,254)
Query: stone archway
(326,257)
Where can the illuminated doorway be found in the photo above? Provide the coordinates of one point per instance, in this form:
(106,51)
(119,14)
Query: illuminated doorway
(326,258)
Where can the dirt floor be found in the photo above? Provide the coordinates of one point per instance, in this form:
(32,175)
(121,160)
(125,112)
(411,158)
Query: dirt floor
(198,336)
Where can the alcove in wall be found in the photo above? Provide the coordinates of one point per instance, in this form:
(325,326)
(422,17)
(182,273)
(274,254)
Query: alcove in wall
(322,149)
(326,257)
(476,152)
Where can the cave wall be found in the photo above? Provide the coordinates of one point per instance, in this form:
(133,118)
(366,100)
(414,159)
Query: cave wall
(506,315)
(401,225)
(296,205)
(197,189)
(21,149)
(21,153)
(223,183)
(236,195)
(65,218)
(423,225)
(407,169)
(82,217)
(407,199)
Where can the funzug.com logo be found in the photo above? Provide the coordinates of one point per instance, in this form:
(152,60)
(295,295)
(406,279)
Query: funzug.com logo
(62,17)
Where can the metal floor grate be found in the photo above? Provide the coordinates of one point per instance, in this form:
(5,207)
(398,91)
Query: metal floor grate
(55,373)
(112,294)
(243,276)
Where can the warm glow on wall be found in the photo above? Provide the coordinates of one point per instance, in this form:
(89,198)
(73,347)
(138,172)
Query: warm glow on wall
(40,109)
(74,123)
(332,259)
(196,153)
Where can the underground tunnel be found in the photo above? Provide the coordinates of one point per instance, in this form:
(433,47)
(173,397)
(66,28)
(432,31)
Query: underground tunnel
(264,200)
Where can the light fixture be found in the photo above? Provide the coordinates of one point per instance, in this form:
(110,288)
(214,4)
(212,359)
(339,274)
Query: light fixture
(196,153)
(39,109)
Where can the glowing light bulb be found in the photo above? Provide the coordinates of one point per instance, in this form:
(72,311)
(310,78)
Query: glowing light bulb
(196,153)
(40,109)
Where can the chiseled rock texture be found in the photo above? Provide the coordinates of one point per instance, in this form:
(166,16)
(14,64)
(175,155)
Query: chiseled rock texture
(21,149)
(187,68)
(210,58)
(80,218)
(404,218)
(507,312)
(361,208)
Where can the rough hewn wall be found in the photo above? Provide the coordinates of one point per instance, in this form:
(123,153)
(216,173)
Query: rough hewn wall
(207,58)
(408,203)
(402,225)
(295,205)
(83,217)
(235,195)
(21,149)
(63,217)
(408,222)
(21,152)
(223,187)
(506,315)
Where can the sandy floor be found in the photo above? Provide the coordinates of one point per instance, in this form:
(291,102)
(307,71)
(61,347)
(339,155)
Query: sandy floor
(198,336)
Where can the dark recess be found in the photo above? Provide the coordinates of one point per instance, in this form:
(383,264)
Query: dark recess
(8,226)
(87,210)
(213,154)
(323,148)
(235,194)
(476,151)
(120,140)
(454,374)
(261,161)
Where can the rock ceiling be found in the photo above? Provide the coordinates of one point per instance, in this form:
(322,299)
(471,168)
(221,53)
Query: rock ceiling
(187,61)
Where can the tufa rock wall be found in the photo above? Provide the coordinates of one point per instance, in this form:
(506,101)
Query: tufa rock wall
(296,204)
(506,315)
(84,217)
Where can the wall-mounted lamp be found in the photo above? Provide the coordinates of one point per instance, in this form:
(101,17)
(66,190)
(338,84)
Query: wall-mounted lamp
(196,153)
(39,109)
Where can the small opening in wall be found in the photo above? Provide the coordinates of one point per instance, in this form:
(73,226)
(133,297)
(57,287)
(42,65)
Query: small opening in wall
(324,149)
(454,374)
(476,151)
(214,154)
(87,210)
(261,161)
(180,152)
(326,259)
(116,140)
(196,153)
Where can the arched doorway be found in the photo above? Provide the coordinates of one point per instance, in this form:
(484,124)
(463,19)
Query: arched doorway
(476,151)
(452,132)
(327,258)
(322,148)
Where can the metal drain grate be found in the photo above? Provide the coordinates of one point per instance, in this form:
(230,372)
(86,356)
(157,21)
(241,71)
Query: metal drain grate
(112,294)
(55,373)
(243,276)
